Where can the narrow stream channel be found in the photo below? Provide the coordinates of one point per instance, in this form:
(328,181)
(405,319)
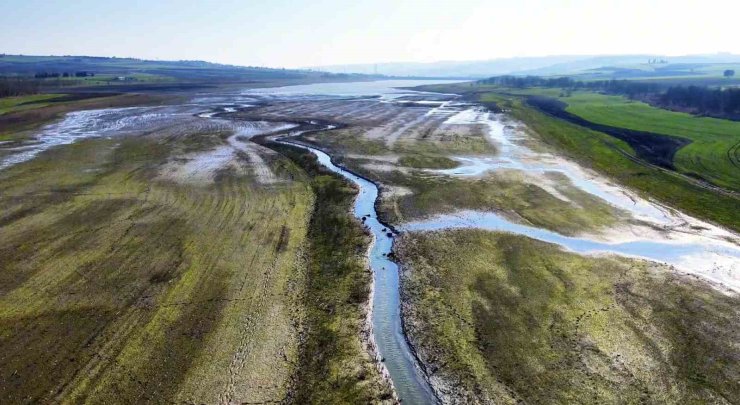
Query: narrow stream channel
(408,380)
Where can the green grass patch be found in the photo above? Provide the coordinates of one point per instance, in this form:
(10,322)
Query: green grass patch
(713,153)
(12,104)
(350,141)
(506,192)
(428,162)
(602,152)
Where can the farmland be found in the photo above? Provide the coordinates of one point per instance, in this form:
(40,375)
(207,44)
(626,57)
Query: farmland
(712,154)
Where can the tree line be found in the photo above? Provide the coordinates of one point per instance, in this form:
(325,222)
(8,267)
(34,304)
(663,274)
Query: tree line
(625,87)
(15,86)
(704,100)
(46,75)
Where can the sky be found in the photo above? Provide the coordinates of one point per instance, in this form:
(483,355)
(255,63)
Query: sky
(301,33)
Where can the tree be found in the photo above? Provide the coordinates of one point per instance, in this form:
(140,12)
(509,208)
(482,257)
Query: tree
(729,73)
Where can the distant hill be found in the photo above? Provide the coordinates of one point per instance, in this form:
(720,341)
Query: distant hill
(545,65)
(21,65)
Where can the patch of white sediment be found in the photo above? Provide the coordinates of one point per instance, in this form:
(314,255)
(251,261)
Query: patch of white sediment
(199,167)
(202,167)
(84,124)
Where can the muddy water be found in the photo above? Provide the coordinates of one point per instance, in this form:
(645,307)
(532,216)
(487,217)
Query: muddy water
(390,340)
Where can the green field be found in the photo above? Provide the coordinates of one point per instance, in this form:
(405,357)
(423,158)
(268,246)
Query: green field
(109,79)
(507,319)
(713,154)
(13,104)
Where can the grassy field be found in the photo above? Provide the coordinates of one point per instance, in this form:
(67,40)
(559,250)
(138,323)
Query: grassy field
(714,152)
(13,104)
(107,79)
(500,318)
(508,193)
(423,161)
(606,155)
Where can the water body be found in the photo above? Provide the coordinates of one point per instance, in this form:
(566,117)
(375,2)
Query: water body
(408,380)
(696,258)
(383,89)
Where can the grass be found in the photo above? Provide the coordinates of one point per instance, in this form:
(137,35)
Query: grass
(116,284)
(712,154)
(351,141)
(12,104)
(108,80)
(419,161)
(505,192)
(335,366)
(603,153)
(505,318)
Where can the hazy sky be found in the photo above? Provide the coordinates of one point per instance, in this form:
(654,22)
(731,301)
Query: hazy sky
(299,33)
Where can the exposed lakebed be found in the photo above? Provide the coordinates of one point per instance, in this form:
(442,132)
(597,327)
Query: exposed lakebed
(657,233)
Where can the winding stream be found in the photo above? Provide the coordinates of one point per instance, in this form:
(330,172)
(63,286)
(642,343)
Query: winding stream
(390,340)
